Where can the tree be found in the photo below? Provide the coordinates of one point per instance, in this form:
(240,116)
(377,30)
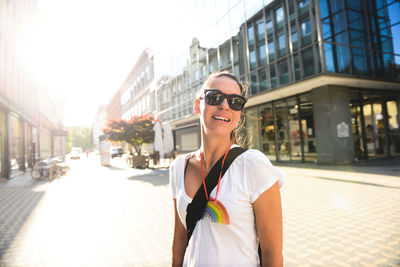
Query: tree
(136,132)
(79,136)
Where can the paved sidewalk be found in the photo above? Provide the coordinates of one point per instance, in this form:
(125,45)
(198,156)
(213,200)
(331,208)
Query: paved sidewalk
(380,172)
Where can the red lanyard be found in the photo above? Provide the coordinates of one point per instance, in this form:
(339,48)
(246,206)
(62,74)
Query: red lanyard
(220,174)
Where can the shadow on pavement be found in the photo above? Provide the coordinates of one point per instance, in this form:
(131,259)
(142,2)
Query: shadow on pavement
(114,168)
(154,177)
(16,206)
(389,167)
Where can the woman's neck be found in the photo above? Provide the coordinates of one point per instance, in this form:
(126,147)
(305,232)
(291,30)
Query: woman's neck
(213,149)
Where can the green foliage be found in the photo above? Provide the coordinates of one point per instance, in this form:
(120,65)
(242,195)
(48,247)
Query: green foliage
(137,131)
(79,136)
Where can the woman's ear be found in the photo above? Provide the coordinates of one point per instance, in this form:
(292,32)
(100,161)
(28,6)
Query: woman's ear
(196,106)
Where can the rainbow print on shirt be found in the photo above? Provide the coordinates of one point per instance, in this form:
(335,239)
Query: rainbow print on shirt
(217,212)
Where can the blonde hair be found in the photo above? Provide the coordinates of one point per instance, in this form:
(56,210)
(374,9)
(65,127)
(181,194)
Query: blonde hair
(236,137)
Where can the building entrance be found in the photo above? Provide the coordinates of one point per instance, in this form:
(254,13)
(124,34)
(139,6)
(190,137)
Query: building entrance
(375,125)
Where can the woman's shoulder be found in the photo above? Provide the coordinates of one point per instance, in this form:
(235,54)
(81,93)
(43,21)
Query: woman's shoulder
(255,156)
(179,160)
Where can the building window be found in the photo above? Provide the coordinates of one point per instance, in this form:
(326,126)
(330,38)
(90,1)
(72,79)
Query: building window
(269,27)
(279,17)
(306,32)
(294,38)
(297,71)
(303,7)
(253,62)
(343,59)
(254,84)
(260,30)
(271,50)
(262,77)
(262,55)
(283,72)
(250,34)
(282,44)
(203,70)
(274,81)
(211,67)
(308,62)
(329,59)
(359,61)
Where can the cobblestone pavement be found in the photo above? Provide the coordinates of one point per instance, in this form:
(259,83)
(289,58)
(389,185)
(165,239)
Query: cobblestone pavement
(116,216)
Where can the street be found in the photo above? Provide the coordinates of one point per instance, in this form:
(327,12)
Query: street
(118,216)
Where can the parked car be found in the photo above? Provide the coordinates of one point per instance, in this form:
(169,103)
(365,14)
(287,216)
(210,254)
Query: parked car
(116,152)
(75,153)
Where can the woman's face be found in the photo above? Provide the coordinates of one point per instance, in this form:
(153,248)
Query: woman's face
(219,120)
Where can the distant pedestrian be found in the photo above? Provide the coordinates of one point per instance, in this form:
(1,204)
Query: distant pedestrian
(87,153)
(221,219)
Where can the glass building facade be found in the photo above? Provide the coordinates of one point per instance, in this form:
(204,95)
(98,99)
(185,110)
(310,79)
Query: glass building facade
(301,59)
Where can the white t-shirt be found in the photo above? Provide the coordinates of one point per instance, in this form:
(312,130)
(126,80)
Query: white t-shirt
(213,242)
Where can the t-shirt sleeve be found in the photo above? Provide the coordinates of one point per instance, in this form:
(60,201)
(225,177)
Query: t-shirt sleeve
(172,178)
(261,174)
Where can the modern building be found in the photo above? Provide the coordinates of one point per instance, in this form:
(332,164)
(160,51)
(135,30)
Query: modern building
(31,124)
(323,76)
(137,93)
(99,124)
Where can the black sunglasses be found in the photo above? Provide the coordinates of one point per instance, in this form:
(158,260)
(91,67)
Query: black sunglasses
(215,97)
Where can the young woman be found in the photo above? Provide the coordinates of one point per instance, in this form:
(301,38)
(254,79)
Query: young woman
(244,210)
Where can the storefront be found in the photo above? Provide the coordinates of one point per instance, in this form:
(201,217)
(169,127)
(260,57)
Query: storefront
(16,140)
(375,121)
(287,129)
(284,129)
(45,143)
(2,144)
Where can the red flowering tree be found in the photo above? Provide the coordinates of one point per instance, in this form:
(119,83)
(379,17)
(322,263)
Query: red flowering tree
(137,132)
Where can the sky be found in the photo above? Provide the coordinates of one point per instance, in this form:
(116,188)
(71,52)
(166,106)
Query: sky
(86,48)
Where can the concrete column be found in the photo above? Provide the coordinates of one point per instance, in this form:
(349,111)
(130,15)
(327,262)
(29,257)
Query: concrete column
(332,118)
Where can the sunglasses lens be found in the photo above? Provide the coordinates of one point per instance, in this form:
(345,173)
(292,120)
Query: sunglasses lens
(214,98)
(236,102)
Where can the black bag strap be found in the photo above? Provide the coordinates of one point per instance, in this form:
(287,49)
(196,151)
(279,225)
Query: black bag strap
(195,209)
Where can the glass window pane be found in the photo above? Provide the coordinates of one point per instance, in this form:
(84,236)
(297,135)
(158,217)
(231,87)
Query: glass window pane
(324,8)
(336,5)
(268,131)
(338,22)
(294,41)
(355,20)
(308,62)
(262,55)
(262,76)
(297,71)
(252,127)
(329,59)
(250,34)
(283,72)
(303,7)
(271,50)
(260,30)
(282,134)
(269,27)
(279,15)
(282,44)
(360,65)
(274,80)
(326,29)
(343,59)
(253,62)
(254,84)
(306,32)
